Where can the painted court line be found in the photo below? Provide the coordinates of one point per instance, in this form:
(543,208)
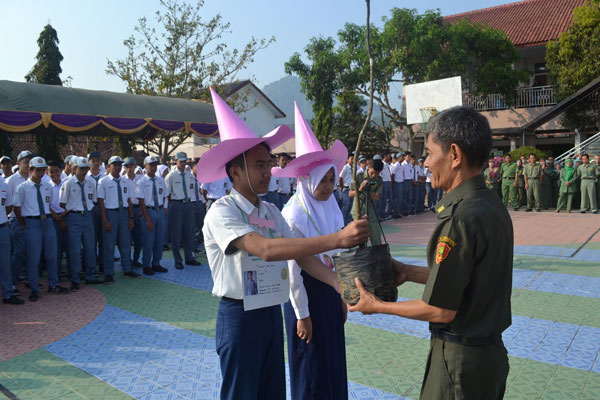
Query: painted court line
(148,359)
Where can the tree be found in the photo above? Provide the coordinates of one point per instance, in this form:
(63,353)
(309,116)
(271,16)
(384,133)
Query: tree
(319,82)
(181,56)
(573,62)
(47,70)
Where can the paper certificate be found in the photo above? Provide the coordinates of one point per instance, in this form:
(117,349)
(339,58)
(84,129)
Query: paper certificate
(266,283)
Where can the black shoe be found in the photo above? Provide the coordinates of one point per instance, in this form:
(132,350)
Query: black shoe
(132,274)
(581,212)
(13,300)
(136,264)
(158,268)
(108,279)
(93,282)
(193,262)
(178,265)
(16,292)
(58,289)
(528,210)
(74,286)
(28,286)
(538,210)
(166,247)
(34,295)
(148,271)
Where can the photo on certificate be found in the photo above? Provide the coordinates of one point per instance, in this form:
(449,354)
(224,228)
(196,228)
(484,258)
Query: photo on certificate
(250,286)
(266,283)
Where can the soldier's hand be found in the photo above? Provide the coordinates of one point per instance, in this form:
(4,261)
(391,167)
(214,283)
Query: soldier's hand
(368,302)
(362,186)
(526,186)
(400,274)
(355,233)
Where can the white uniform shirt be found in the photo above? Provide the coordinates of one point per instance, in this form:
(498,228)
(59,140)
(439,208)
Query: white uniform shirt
(70,193)
(408,172)
(96,178)
(428,175)
(398,172)
(6,200)
(108,190)
(131,184)
(55,202)
(13,181)
(26,198)
(346,175)
(285,185)
(226,221)
(175,182)
(420,172)
(63,175)
(217,189)
(143,190)
(385,174)
(273,184)
(46,179)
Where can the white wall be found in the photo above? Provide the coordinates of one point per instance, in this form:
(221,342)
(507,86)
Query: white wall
(258,115)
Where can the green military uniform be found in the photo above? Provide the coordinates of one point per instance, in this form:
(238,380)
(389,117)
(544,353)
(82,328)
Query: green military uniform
(533,173)
(555,186)
(577,194)
(547,182)
(588,174)
(509,192)
(521,193)
(470,259)
(373,186)
(568,187)
(492,179)
(597,183)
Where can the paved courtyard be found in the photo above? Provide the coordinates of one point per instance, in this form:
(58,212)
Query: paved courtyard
(153,338)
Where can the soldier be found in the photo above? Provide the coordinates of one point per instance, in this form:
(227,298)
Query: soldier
(520,181)
(568,186)
(577,194)
(117,219)
(32,209)
(508,173)
(556,183)
(597,164)
(547,182)
(77,197)
(180,185)
(492,178)
(532,174)
(589,175)
(467,295)
(370,186)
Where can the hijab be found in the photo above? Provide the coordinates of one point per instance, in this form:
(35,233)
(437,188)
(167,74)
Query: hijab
(161,169)
(310,216)
(570,170)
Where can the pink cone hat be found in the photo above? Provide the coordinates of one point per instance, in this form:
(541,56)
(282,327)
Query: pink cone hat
(236,138)
(309,152)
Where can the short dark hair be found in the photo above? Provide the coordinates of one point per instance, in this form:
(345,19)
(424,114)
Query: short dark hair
(532,154)
(239,159)
(585,155)
(377,165)
(465,127)
(53,163)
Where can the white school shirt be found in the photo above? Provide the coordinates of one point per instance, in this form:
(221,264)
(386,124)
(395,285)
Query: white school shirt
(46,179)
(26,198)
(420,171)
(131,184)
(408,172)
(55,202)
(285,185)
(70,193)
(217,189)
(96,178)
(63,176)
(226,221)
(175,182)
(273,184)
(143,190)
(346,175)
(108,190)
(398,172)
(385,174)
(6,200)
(428,175)
(13,181)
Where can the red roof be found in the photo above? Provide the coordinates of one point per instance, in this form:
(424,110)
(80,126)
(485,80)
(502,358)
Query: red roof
(527,22)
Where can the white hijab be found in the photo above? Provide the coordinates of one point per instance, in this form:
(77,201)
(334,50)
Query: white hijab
(161,169)
(325,216)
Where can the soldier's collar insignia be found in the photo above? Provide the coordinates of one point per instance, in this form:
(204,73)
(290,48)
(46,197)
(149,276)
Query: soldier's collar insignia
(441,208)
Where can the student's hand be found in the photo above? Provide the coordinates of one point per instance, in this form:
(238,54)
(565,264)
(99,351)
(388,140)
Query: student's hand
(149,224)
(304,329)
(344,312)
(63,225)
(130,224)
(355,233)
(368,302)
(107,226)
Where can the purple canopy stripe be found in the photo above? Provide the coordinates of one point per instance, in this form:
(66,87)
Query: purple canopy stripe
(125,125)
(205,129)
(19,121)
(167,125)
(74,123)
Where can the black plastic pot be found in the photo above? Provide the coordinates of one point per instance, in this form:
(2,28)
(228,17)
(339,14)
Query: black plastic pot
(373,265)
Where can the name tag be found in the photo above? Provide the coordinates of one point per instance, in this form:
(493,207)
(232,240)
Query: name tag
(266,283)
(160,191)
(125,189)
(90,197)
(47,199)
(3,201)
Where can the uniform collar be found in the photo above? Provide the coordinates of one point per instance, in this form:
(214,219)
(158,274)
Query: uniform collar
(242,202)
(458,193)
(113,178)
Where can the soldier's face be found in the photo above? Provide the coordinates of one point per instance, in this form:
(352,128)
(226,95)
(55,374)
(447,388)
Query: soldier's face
(440,165)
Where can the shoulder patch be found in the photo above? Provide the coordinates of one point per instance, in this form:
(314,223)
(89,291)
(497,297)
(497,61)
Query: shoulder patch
(442,251)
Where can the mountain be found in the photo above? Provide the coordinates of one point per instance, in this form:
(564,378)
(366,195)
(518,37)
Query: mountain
(286,90)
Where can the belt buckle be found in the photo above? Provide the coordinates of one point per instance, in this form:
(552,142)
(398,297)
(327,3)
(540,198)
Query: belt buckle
(43,217)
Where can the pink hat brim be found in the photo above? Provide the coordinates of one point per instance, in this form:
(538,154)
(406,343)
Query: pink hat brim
(211,166)
(301,166)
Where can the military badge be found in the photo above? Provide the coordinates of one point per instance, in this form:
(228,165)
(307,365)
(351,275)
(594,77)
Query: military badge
(444,246)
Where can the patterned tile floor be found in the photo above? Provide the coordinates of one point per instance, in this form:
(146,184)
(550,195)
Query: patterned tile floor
(154,339)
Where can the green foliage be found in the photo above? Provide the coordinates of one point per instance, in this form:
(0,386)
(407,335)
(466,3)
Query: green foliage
(180,54)
(573,62)
(47,70)
(526,151)
(318,81)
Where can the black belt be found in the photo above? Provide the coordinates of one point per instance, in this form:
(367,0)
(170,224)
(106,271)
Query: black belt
(454,338)
(181,201)
(231,300)
(36,216)
(155,208)
(209,199)
(135,205)
(116,209)
(2,225)
(96,203)
(76,212)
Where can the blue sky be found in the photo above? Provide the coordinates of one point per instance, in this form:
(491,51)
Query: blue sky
(90,32)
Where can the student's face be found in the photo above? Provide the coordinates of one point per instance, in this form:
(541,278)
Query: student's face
(258,164)
(81,172)
(24,166)
(412,161)
(283,162)
(373,173)
(351,160)
(151,169)
(37,173)
(325,188)
(130,168)
(6,166)
(94,163)
(115,168)
(54,173)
